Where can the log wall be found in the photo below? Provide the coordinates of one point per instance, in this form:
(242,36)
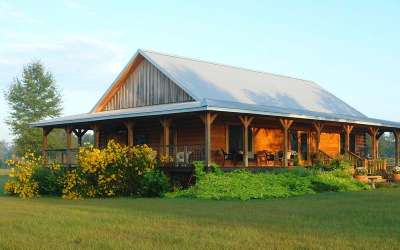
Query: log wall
(270,140)
(330,143)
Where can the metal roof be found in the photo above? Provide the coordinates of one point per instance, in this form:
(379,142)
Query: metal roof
(206,80)
(226,88)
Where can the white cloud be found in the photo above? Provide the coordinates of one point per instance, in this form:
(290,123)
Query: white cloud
(72,4)
(9,12)
(76,5)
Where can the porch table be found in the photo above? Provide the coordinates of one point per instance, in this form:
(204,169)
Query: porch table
(373,179)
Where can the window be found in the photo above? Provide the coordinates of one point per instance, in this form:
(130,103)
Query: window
(235,138)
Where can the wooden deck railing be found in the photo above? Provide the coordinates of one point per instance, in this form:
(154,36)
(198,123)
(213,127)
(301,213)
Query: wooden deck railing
(64,157)
(178,155)
(376,167)
(325,159)
(356,160)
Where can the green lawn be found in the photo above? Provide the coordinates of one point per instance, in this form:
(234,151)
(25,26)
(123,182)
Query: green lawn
(366,220)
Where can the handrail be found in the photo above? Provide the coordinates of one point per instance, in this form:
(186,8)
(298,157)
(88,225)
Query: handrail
(354,155)
(325,155)
(357,160)
(325,158)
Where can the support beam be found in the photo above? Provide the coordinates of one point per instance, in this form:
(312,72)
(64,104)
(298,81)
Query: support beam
(166,124)
(347,130)
(246,121)
(396,134)
(96,135)
(373,132)
(318,126)
(309,146)
(46,132)
(68,132)
(130,126)
(79,133)
(286,124)
(208,118)
(299,156)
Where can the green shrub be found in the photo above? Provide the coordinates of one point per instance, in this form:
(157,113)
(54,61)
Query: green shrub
(115,170)
(338,163)
(244,185)
(154,184)
(19,181)
(48,179)
(336,181)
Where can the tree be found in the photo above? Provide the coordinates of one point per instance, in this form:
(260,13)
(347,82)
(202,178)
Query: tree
(31,98)
(5,153)
(387,146)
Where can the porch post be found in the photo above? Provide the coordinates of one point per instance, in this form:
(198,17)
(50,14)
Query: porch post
(308,146)
(347,129)
(246,121)
(166,123)
(319,126)
(299,156)
(373,132)
(129,126)
(68,131)
(396,134)
(96,133)
(286,123)
(45,132)
(207,119)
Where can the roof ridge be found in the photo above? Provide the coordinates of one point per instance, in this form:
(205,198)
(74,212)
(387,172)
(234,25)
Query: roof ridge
(231,66)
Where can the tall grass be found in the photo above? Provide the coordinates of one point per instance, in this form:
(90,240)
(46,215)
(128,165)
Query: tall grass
(356,220)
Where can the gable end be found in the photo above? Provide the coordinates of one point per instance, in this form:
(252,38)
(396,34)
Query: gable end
(144,86)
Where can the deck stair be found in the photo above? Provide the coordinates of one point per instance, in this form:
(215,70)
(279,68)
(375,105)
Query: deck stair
(325,159)
(373,166)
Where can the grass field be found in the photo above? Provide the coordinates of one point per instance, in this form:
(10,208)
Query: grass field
(366,220)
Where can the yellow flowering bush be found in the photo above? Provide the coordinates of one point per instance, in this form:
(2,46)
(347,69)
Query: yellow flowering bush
(114,170)
(20,182)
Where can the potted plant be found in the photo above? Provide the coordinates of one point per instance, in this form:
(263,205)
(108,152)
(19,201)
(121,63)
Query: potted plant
(396,174)
(361,174)
(166,161)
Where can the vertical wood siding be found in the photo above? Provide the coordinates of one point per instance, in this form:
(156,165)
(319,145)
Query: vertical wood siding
(147,86)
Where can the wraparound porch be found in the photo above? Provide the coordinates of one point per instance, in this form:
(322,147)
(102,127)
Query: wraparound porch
(232,140)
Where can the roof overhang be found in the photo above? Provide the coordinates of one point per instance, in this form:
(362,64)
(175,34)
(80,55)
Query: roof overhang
(210,105)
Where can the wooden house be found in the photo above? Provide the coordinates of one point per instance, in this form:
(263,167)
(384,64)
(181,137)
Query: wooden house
(190,110)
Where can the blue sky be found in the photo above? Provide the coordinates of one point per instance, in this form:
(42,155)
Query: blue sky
(350,48)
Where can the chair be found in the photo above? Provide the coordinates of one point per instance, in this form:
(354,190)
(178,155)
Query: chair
(270,157)
(225,156)
(183,158)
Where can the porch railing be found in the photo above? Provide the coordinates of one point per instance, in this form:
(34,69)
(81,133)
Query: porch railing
(179,155)
(63,157)
(376,167)
(325,159)
(167,156)
(356,160)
